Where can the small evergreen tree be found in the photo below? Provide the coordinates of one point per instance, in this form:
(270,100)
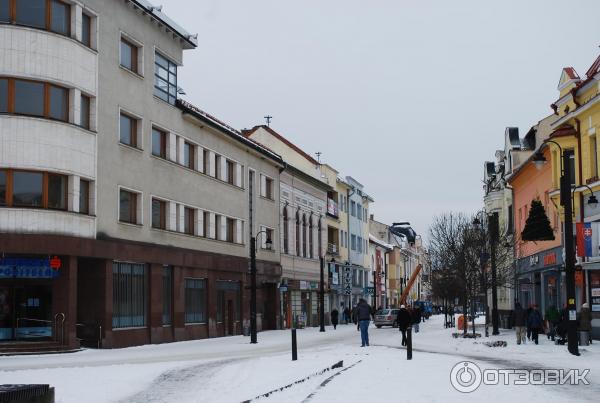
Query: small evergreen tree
(537,226)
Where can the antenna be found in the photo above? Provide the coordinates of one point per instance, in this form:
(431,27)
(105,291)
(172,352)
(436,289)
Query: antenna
(318,154)
(268,118)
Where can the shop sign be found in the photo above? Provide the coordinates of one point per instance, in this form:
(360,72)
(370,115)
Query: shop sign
(369,290)
(314,285)
(304,285)
(595,299)
(550,259)
(283,288)
(595,292)
(347,280)
(29,268)
(335,279)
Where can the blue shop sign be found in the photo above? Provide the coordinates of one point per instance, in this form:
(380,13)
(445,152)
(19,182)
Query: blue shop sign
(27,268)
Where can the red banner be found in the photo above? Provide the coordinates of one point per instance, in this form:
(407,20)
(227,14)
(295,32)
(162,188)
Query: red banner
(580,240)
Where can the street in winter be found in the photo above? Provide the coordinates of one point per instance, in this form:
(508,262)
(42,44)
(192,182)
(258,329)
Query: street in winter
(299,201)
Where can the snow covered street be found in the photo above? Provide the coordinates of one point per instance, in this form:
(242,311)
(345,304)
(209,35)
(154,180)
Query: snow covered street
(232,370)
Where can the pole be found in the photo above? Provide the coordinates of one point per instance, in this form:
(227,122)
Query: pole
(565,199)
(375,289)
(322,296)
(294,345)
(409,343)
(493,222)
(253,290)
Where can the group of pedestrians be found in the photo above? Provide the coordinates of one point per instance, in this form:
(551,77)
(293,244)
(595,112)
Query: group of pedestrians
(362,314)
(529,323)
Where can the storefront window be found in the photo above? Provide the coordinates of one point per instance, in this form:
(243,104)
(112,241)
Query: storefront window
(595,290)
(167,294)
(28,189)
(195,300)
(129,295)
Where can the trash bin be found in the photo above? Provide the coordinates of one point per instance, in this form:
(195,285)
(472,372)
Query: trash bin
(584,338)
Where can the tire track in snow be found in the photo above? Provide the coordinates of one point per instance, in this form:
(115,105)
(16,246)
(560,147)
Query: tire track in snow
(326,381)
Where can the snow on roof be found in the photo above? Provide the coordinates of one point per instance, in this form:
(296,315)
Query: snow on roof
(160,16)
(380,242)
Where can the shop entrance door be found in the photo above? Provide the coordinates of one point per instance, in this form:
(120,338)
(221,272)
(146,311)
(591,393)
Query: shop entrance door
(32,312)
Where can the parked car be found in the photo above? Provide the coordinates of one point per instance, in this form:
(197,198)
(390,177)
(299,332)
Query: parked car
(386,317)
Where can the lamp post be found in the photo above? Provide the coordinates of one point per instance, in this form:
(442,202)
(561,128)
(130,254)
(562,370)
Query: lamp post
(565,201)
(269,243)
(322,295)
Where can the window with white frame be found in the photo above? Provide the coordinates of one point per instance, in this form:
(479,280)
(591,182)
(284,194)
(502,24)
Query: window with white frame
(267,187)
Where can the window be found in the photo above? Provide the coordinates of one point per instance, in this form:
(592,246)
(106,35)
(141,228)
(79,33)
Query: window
(3,186)
(297,233)
(189,220)
(127,206)
(29,98)
(358,212)
(571,154)
(352,208)
(31,13)
(129,55)
(57,191)
(128,130)
(230,168)
(195,300)
(59,103)
(359,244)
(130,295)
(159,143)
(84,196)
(86,30)
(188,155)
(4,10)
(27,189)
(230,229)
(206,160)
(165,79)
(268,234)
(286,226)
(266,187)
(353,242)
(34,98)
(167,294)
(84,117)
(159,214)
(33,189)
(310,238)
(304,235)
(593,156)
(206,223)
(60,17)
(3,95)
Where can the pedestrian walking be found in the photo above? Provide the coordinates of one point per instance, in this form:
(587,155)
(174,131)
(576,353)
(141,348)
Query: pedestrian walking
(520,320)
(334,317)
(346,315)
(528,312)
(417,318)
(552,320)
(585,320)
(363,317)
(535,323)
(403,318)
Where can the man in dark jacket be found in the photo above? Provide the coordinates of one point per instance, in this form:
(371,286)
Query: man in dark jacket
(520,318)
(535,323)
(417,318)
(335,314)
(404,320)
(363,316)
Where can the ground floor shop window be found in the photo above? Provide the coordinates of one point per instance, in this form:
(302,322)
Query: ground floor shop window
(195,300)
(595,291)
(129,295)
(167,294)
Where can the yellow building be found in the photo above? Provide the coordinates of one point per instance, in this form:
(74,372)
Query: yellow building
(337,232)
(576,128)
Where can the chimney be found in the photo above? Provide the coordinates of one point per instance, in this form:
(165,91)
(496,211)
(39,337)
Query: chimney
(372,217)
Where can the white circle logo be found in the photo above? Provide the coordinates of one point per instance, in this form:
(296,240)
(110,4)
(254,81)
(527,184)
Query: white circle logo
(465,376)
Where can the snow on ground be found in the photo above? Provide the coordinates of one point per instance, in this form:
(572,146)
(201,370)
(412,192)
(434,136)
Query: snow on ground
(232,370)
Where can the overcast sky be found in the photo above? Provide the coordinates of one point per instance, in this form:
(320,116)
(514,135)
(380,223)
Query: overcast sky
(409,97)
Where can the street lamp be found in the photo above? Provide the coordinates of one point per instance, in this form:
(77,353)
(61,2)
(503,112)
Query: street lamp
(565,201)
(268,244)
(322,295)
(476,223)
